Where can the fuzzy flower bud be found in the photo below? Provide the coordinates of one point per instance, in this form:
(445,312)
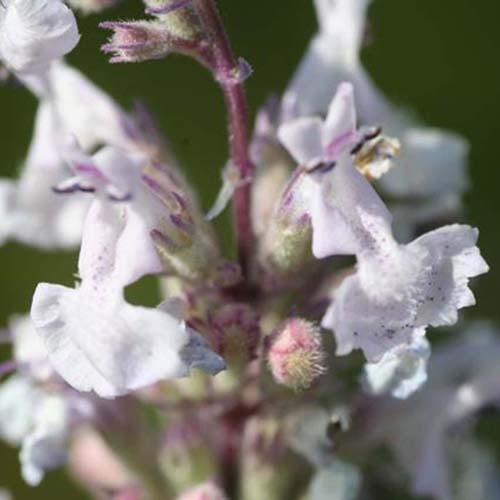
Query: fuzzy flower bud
(184,241)
(286,244)
(206,491)
(179,16)
(296,354)
(137,41)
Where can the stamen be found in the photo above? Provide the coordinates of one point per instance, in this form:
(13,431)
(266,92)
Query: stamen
(368,136)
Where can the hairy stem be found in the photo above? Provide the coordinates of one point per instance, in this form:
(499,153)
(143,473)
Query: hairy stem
(226,64)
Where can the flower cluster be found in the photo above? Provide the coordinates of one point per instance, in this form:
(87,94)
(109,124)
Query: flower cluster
(230,387)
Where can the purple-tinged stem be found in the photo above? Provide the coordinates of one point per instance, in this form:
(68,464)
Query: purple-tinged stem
(226,64)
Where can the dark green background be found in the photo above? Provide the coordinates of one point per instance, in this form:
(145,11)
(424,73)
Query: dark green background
(439,57)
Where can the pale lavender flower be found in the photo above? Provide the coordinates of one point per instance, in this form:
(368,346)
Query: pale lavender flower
(398,290)
(401,371)
(463,378)
(30,212)
(433,161)
(95,339)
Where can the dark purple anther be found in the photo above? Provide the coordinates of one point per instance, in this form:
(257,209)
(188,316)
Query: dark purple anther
(180,199)
(73,188)
(179,222)
(120,198)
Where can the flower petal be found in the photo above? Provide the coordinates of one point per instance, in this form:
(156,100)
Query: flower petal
(433,162)
(107,345)
(401,371)
(36,32)
(397,295)
(44,447)
(303,138)
(29,350)
(30,211)
(455,259)
(348,216)
(339,130)
(19,398)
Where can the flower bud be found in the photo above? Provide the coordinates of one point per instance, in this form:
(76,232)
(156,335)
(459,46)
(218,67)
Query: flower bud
(295,354)
(184,241)
(136,41)
(179,16)
(287,242)
(206,491)
(273,165)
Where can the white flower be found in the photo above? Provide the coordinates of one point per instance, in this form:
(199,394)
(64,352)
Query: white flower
(33,33)
(87,112)
(30,352)
(19,398)
(44,447)
(330,190)
(30,211)
(95,340)
(463,378)
(332,57)
(433,161)
(312,141)
(401,371)
(36,419)
(398,290)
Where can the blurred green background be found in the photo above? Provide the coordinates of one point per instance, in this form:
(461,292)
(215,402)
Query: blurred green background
(439,58)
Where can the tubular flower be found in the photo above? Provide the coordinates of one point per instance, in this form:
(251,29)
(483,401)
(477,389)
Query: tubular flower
(137,346)
(398,290)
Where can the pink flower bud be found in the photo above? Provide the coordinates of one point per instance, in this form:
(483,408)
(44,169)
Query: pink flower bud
(206,491)
(296,354)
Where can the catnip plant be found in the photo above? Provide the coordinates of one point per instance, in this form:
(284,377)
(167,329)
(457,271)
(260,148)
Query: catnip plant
(299,370)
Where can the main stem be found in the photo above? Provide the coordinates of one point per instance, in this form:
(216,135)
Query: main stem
(234,93)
